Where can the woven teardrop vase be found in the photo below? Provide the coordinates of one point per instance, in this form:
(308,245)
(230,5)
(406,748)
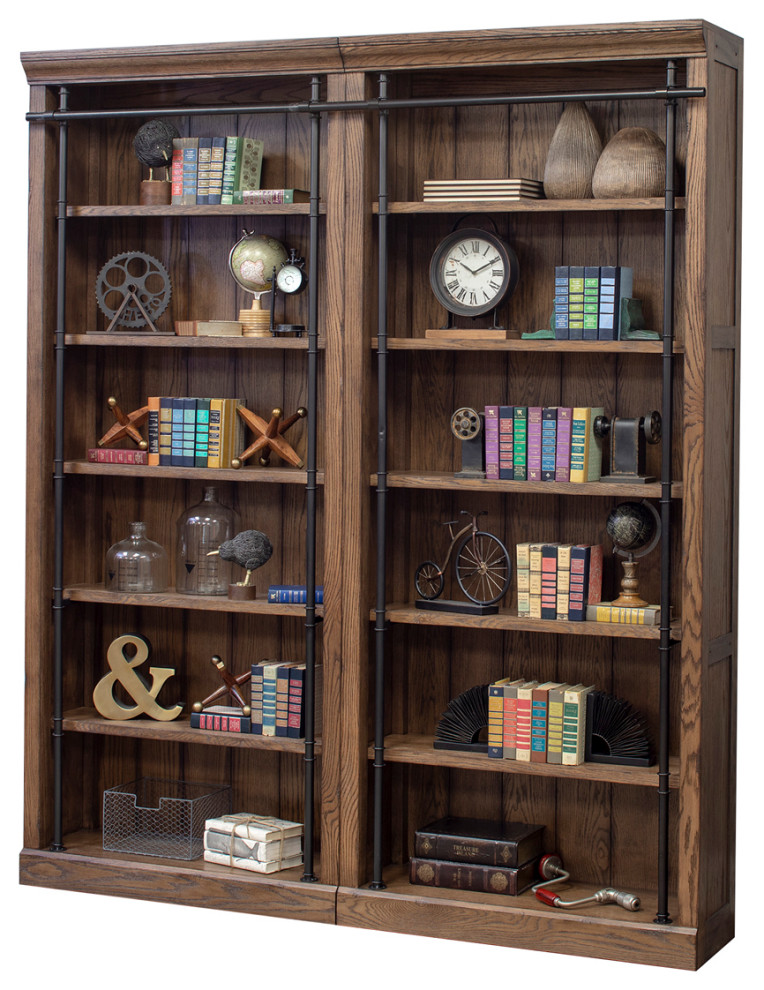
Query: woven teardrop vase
(573,154)
(633,165)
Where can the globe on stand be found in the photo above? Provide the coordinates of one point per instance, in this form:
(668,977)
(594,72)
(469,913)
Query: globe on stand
(252,261)
(634,528)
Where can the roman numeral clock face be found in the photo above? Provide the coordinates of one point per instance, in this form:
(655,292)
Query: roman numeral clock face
(472,271)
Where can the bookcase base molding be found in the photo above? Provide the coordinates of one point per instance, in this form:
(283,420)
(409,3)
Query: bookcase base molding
(364,124)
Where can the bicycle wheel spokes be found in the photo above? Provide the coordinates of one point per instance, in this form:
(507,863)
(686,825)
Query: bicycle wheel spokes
(429,580)
(483,568)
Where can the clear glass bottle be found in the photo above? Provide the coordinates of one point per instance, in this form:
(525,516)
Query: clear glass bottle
(137,564)
(201,529)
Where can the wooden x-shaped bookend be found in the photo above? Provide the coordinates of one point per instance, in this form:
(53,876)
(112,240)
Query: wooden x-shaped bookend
(269,437)
(126,425)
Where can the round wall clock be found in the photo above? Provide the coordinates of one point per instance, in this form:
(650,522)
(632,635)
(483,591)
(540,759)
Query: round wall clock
(472,271)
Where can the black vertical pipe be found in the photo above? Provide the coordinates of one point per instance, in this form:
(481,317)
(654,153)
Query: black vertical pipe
(666,416)
(379,627)
(311,489)
(58,484)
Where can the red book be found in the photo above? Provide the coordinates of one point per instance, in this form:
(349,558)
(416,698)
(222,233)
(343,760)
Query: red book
(549,581)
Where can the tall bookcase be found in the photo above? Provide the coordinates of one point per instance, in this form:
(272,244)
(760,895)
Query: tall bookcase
(468,105)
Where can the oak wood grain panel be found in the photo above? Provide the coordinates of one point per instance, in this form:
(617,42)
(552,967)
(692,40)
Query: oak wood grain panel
(86,867)
(520,922)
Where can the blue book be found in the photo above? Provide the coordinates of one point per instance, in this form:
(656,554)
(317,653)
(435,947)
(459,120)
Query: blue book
(548,442)
(293,594)
(202,432)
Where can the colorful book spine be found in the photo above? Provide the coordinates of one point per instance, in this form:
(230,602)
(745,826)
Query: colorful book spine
(507,443)
(648,615)
(548,442)
(539,716)
(269,197)
(217,164)
(591,302)
(296,712)
(190,148)
(176,173)
(113,455)
(495,720)
(293,594)
(534,589)
(203,158)
(616,285)
(585,447)
(579,582)
(491,428)
(214,439)
(549,581)
(269,699)
(523,577)
(534,443)
(230,166)
(576,302)
(524,709)
(594,583)
(282,698)
(520,443)
(248,175)
(563,581)
(221,718)
(153,430)
(256,694)
(165,430)
(509,720)
(202,433)
(574,725)
(555,705)
(561,291)
(562,450)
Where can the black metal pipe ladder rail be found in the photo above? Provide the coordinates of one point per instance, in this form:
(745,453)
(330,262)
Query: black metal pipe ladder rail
(62,117)
(671,94)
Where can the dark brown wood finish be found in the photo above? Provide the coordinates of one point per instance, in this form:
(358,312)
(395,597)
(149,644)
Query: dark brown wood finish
(601,819)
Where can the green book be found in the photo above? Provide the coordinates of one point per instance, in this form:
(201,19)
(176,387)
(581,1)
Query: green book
(520,444)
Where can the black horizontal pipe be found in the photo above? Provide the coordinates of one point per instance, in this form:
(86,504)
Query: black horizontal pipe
(317,106)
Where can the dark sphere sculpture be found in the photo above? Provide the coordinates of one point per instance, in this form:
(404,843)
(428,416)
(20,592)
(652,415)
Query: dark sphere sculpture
(153,143)
(250,550)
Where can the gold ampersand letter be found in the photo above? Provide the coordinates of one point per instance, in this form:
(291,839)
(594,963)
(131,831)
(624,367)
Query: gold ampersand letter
(122,670)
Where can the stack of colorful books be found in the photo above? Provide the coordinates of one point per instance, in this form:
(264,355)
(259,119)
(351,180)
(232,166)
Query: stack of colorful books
(558,581)
(208,170)
(536,722)
(194,432)
(476,854)
(258,843)
(587,301)
(542,443)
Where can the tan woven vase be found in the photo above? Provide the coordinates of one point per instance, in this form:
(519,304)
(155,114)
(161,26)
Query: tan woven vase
(632,165)
(573,154)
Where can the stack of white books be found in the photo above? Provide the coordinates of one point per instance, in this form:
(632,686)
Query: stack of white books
(456,190)
(258,843)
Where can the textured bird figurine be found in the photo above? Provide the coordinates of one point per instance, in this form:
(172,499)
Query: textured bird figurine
(250,550)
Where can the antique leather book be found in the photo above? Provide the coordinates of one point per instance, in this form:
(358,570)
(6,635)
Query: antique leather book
(475,840)
(472,876)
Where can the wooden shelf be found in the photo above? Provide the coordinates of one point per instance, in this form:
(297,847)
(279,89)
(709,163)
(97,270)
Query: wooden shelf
(447,480)
(88,721)
(149,339)
(168,210)
(418,749)
(606,931)
(85,866)
(531,206)
(257,475)
(517,344)
(508,619)
(99,595)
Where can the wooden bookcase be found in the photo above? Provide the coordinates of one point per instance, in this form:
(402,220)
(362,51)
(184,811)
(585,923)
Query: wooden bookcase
(603,820)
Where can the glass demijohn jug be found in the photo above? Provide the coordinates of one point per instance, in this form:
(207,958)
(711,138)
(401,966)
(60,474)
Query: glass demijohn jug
(201,529)
(137,564)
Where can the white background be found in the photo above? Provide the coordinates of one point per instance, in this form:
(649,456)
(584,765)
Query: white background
(68,939)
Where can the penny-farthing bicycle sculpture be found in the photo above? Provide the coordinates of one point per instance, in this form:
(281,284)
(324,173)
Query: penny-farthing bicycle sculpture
(482,565)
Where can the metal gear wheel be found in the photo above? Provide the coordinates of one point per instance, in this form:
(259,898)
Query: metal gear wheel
(465,423)
(138,274)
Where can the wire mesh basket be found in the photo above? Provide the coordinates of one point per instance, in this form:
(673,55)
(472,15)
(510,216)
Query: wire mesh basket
(152,817)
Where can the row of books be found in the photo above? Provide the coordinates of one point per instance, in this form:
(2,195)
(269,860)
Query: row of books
(277,705)
(587,301)
(536,722)
(258,843)
(476,854)
(209,170)
(194,432)
(542,443)
(558,581)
